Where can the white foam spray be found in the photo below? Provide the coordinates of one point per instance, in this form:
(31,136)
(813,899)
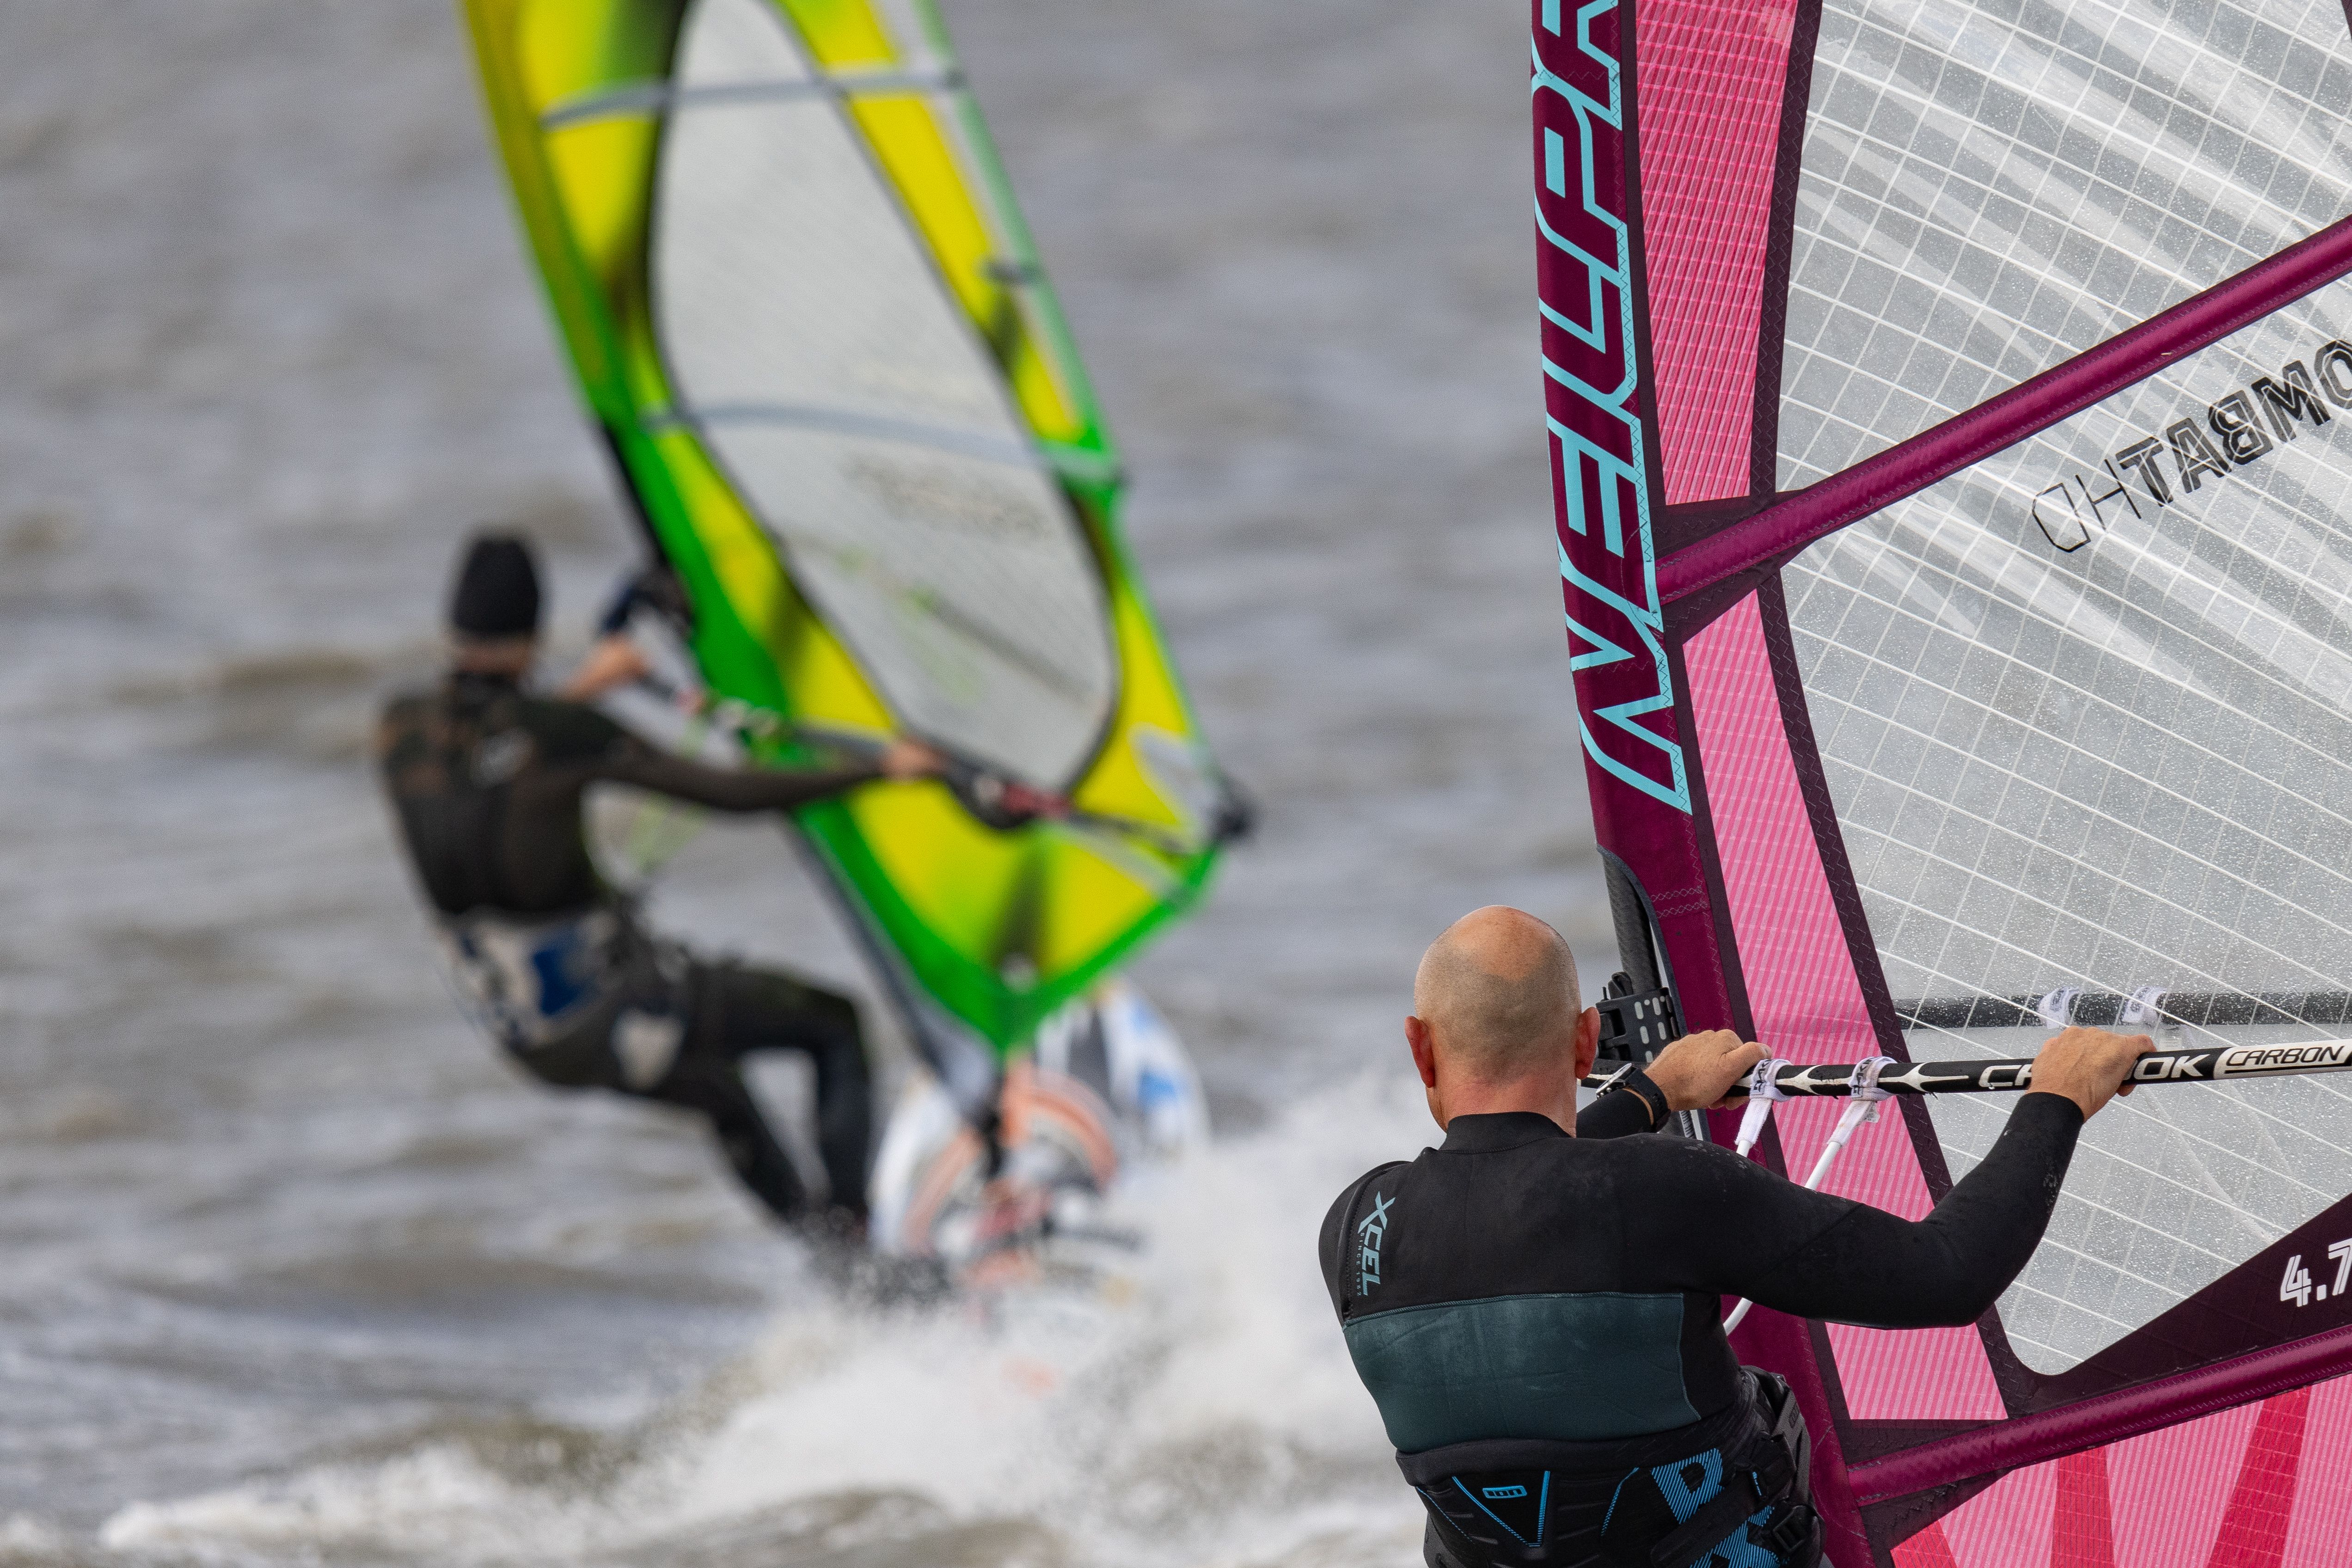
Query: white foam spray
(1197,1409)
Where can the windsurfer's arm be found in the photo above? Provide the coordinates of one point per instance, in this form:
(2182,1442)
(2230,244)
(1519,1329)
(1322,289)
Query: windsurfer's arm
(632,761)
(1619,1115)
(1694,1073)
(1818,1257)
(1814,1256)
(613,660)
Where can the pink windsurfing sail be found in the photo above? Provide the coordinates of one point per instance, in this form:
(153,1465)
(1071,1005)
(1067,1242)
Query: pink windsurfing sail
(1950,409)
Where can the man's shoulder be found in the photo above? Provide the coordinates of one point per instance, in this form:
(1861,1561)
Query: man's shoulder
(405,719)
(560,730)
(1678,1171)
(1337,1215)
(1335,1223)
(567,730)
(1637,1147)
(410,703)
(1348,1192)
(1663,1148)
(1553,1174)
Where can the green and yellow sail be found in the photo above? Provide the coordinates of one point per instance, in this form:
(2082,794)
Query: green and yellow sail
(805,310)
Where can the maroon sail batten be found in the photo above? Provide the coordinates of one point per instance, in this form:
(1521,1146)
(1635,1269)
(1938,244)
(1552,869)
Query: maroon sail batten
(2110,1418)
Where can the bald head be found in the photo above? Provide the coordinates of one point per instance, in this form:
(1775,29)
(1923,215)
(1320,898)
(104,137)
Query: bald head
(1498,993)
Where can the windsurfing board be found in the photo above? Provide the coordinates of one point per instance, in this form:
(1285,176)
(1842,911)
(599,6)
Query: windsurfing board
(1106,1089)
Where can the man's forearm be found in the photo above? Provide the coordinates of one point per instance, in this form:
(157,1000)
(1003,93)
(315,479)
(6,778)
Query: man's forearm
(734,789)
(1620,1113)
(1873,1268)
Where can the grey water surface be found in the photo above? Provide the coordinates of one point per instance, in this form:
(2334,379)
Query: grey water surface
(292,1269)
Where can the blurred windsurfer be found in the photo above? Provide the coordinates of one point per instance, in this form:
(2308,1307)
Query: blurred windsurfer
(488,784)
(1539,1313)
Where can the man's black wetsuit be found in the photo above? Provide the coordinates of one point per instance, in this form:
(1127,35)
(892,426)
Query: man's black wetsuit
(1539,1317)
(488,784)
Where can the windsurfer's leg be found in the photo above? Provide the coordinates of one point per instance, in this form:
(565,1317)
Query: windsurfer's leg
(708,1082)
(714,1086)
(739,1010)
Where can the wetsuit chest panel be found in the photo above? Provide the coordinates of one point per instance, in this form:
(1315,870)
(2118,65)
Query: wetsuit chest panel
(1521,1253)
(1572,1367)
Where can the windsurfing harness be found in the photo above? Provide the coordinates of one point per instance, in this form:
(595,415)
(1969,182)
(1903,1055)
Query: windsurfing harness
(1730,1492)
(487,785)
(1519,1301)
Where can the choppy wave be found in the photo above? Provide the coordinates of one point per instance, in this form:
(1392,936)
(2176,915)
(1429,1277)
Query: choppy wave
(1196,1407)
(295,1271)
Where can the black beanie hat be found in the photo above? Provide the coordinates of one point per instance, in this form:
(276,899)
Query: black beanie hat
(497,594)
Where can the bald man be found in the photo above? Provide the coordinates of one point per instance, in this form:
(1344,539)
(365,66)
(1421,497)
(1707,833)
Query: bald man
(1535,1306)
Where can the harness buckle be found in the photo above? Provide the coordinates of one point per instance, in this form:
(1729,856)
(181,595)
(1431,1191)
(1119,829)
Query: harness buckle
(1791,1527)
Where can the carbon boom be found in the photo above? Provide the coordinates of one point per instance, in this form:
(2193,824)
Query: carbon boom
(2008,1074)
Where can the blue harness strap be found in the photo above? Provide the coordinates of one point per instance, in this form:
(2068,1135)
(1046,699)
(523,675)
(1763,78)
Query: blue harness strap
(1739,1502)
(1711,1524)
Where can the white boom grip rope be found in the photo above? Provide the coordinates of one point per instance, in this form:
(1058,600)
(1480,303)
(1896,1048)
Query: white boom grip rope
(1863,1106)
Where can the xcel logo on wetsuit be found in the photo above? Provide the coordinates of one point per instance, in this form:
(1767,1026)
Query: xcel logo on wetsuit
(1368,1232)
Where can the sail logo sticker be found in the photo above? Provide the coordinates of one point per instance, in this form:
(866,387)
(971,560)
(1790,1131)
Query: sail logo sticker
(500,757)
(2283,1058)
(2232,433)
(2186,1067)
(1601,489)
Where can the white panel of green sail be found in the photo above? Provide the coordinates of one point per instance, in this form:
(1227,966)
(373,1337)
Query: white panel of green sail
(814,345)
(2086,715)
(1991,187)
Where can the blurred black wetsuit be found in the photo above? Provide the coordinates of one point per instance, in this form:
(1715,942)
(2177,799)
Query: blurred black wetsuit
(1539,1320)
(488,784)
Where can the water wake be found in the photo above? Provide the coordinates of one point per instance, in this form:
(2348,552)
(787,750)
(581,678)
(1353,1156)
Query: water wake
(1195,1409)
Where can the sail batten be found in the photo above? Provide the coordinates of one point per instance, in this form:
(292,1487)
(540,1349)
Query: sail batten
(658,98)
(847,421)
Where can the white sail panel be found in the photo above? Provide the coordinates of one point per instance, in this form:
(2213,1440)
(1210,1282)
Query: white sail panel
(2086,715)
(812,342)
(2167,1191)
(1990,188)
